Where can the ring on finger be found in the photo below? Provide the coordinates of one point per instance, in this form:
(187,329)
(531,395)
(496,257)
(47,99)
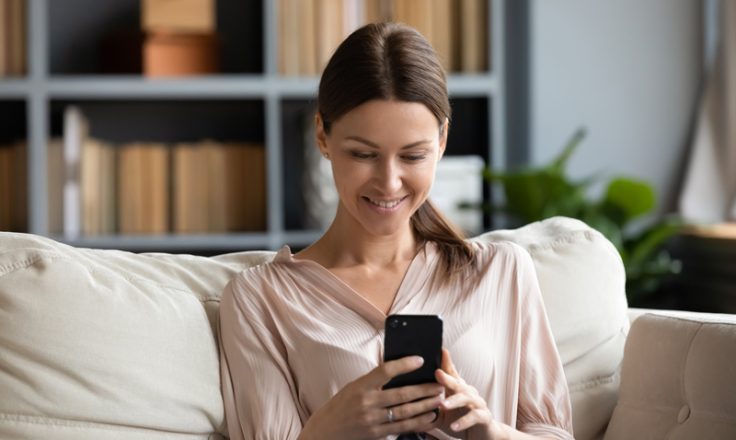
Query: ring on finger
(390,415)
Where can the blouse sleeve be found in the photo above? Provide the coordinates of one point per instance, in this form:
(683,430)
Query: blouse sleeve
(544,402)
(258,390)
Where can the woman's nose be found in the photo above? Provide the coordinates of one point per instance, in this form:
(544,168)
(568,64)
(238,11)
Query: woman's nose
(389,177)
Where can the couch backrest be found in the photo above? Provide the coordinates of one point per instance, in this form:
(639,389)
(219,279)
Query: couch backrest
(110,344)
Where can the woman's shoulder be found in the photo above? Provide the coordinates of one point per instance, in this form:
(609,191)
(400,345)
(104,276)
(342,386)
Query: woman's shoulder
(489,251)
(256,279)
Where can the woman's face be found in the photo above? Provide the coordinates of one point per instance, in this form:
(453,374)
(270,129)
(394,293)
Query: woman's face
(384,155)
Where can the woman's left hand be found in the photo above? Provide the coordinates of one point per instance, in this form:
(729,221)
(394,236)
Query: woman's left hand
(463,408)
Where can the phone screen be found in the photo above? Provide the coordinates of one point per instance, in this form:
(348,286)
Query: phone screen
(414,335)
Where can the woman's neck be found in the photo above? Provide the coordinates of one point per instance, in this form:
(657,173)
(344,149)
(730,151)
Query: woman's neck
(342,245)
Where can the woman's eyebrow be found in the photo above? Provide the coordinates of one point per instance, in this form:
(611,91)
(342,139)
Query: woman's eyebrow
(371,144)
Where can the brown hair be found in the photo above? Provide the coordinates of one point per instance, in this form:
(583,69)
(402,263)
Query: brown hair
(394,61)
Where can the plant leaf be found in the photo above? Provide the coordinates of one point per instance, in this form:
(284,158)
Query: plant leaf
(558,164)
(627,199)
(644,246)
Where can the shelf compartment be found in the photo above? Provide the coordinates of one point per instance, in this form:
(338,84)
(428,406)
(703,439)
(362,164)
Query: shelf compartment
(171,166)
(78,43)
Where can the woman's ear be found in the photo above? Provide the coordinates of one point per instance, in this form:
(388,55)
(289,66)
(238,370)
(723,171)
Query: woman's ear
(321,135)
(443,136)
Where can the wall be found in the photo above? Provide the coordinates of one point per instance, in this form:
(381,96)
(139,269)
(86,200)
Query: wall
(627,70)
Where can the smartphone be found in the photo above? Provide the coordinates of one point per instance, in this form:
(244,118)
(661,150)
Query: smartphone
(413,335)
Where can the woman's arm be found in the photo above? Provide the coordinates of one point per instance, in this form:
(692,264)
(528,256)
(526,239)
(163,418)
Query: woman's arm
(465,409)
(258,391)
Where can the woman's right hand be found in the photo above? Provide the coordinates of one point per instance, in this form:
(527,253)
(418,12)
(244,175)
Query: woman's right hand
(361,409)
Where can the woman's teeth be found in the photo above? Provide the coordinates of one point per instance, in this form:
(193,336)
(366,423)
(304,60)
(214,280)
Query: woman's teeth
(385,204)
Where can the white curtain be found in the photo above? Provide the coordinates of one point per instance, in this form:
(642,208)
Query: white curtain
(709,191)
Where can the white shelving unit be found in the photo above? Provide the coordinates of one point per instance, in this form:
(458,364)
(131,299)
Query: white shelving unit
(42,87)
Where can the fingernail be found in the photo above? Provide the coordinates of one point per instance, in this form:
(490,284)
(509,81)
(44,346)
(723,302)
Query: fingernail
(454,426)
(418,360)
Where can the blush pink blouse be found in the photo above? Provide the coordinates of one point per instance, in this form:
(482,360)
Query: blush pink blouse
(292,335)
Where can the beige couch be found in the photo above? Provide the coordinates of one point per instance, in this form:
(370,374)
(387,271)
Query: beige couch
(107,344)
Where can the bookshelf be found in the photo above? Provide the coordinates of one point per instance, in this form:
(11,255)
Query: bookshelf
(250,90)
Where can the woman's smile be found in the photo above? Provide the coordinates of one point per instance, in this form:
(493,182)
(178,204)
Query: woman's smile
(385,205)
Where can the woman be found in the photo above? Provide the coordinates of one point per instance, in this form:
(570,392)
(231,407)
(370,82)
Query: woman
(302,336)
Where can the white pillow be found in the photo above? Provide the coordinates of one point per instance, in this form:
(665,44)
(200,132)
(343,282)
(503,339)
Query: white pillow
(109,344)
(582,280)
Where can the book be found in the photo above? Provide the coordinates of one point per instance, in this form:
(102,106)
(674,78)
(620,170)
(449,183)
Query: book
(89,187)
(186,16)
(377,11)
(17,37)
(108,189)
(215,200)
(97,179)
(189,189)
(415,13)
(330,29)
(288,15)
(443,32)
(155,188)
(76,131)
(246,188)
(171,55)
(473,35)
(4,39)
(307,40)
(56,176)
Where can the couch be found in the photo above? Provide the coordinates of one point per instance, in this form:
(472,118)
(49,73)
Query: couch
(108,344)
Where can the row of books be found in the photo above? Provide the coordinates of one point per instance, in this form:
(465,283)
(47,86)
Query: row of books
(13,195)
(97,187)
(310,30)
(12,37)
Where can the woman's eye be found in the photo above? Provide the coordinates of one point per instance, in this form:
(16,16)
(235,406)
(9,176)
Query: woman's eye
(414,157)
(359,155)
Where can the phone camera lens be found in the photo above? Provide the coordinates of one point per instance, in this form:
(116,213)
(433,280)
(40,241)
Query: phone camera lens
(394,323)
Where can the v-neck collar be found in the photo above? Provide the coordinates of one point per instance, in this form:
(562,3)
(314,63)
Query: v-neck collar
(415,277)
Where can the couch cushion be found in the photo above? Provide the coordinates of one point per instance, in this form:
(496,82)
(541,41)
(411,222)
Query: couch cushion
(108,344)
(678,380)
(582,281)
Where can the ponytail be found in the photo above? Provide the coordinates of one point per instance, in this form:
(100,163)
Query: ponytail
(430,225)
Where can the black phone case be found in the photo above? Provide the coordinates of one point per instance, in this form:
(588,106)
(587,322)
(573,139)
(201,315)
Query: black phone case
(408,335)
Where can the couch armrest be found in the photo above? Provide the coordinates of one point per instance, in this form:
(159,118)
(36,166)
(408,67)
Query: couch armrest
(634,313)
(677,377)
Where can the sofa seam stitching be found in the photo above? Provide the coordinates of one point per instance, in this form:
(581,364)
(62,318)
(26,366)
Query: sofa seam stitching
(27,262)
(60,422)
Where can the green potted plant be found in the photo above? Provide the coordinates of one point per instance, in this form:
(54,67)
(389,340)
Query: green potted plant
(533,194)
